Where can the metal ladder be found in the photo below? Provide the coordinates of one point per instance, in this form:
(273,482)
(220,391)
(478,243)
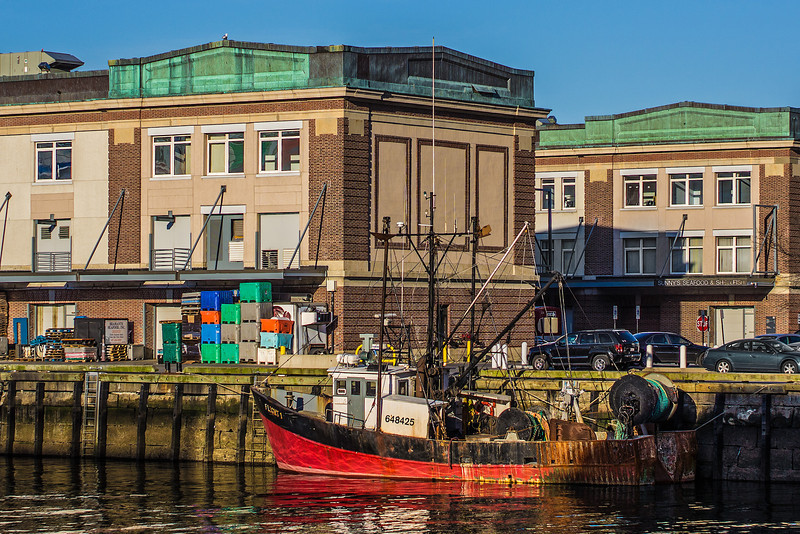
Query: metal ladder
(89,428)
(258,435)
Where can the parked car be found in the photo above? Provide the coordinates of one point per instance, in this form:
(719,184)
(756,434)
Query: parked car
(755,355)
(598,349)
(667,347)
(793,340)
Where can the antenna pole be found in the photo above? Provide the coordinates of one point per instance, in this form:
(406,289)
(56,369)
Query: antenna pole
(379,390)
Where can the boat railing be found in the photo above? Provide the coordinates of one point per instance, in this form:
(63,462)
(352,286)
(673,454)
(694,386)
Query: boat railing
(342,418)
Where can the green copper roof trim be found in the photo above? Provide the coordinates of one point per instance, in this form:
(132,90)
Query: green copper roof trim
(685,122)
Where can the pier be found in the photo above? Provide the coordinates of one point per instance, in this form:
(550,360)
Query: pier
(748,425)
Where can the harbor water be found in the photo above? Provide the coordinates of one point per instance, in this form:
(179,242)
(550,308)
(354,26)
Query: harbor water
(62,496)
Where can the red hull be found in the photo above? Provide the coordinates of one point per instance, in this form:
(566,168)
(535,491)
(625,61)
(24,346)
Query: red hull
(365,453)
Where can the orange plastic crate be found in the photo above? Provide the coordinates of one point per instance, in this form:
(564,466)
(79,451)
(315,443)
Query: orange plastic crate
(210,317)
(277,326)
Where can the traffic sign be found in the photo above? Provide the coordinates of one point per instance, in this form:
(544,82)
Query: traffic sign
(614,312)
(702,323)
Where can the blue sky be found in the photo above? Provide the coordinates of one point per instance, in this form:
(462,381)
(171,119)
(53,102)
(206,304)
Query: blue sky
(590,58)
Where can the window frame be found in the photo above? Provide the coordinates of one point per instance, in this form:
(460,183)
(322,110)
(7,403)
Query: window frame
(687,178)
(734,248)
(737,178)
(171,144)
(212,138)
(53,149)
(569,182)
(547,184)
(685,250)
(639,179)
(641,253)
(281,135)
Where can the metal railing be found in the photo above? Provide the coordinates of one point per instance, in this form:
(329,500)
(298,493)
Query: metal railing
(50,262)
(169,259)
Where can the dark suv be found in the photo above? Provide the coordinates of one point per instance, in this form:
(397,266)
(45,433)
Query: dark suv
(599,349)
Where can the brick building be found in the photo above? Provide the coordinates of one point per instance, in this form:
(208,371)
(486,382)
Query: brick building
(234,142)
(674,210)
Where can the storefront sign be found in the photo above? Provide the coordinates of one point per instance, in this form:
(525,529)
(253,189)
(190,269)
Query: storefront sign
(116,331)
(700,282)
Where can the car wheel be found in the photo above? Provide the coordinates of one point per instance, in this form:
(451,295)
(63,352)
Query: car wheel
(789,367)
(540,362)
(723,366)
(600,362)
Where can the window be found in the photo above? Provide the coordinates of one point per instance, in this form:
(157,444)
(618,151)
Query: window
(548,193)
(640,190)
(371,388)
(587,339)
(280,151)
(171,155)
(567,249)
(226,153)
(640,255)
(733,254)
(687,255)
(341,387)
(658,339)
(733,187)
(355,387)
(568,193)
(686,189)
(54,160)
(402,387)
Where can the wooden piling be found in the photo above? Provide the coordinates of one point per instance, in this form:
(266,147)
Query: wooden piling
(11,416)
(102,420)
(77,419)
(177,419)
(141,421)
(244,415)
(38,421)
(211,420)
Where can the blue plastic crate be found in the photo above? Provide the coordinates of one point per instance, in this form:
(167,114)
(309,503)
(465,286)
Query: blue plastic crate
(213,300)
(271,340)
(211,333)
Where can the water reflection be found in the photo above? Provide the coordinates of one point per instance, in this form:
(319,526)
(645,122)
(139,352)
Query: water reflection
(62,496)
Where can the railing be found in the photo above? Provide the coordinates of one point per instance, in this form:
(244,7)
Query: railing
(51,262)
(169,259)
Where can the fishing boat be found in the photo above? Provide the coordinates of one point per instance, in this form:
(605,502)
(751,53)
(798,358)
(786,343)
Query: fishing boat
(420,422)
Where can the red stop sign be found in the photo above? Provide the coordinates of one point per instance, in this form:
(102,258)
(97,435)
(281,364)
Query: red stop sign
(702,323)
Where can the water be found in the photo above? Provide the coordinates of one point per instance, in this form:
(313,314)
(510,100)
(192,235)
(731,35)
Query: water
(60,496)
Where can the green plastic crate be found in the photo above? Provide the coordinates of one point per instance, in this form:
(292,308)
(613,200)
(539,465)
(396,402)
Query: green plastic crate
(231,314)
(230,353)
(210,353)
(171,332)
(255,292)
(171,352)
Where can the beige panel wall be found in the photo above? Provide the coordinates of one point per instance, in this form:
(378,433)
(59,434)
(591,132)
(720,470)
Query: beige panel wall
(450,184)
(392,182)
(83,200)
(490,197)
(275,193)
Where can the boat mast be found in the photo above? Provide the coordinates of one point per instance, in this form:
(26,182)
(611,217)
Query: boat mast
(430,359)
(379,389)
(472,287)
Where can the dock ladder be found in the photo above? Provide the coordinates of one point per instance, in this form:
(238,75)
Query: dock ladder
(258,435)
(89,427)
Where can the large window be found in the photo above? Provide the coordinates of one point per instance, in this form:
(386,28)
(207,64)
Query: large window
(548,193)
(640,255)
(54,160)
(687,255)
(280,151)
(567,251)
(226,153)
(686,189)
(733,187)
(568,193)
(171,155)
(640,190)
(733,254)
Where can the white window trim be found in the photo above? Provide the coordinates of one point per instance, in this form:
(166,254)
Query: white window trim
(223,128)
(685,178)
(735,180)
(278,125)
(207,154)
(277,172)
(733,233)
(574,184)
(225,210)
(641,250)
(43,138)
(685,170)
(170,130)
(685,251)
(172,154)
(640,181)
(638,235)
(687,233)
(556,174)
(53,180)
(732,168)
(629,172)
(273,174)
(734,249)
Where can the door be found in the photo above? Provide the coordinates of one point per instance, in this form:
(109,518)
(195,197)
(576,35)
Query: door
(164,313)
(763,357)
(739,354)
(580,355)
(662,349)
(225,242)
(733,323)
(355,400)
(558,354)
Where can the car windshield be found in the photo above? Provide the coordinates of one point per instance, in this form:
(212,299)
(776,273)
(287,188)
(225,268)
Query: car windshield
(626,336)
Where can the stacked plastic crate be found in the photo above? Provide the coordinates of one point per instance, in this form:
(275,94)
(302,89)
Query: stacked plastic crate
(211,330)
(231,316)
(275,336)
(256,305)
(191,325)
(171,337)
